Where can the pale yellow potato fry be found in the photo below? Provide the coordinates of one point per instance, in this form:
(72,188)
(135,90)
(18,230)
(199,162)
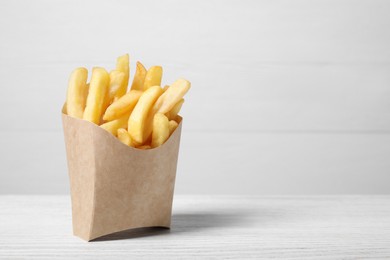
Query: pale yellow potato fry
(144,147)
(139,115)
(172,126)
(165,88)
(122,64)
(149,125)
(124,137)
(153,77)
(114,125)
(171,114)
(160,130)
(166,102)
(122,106)
(139,77)
(173,95)
(116,80)
(98,90)
(77,93)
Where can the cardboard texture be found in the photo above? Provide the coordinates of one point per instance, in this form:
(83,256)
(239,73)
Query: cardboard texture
(115,187)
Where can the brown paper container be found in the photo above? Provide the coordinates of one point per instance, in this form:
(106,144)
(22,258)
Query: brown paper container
(115,187)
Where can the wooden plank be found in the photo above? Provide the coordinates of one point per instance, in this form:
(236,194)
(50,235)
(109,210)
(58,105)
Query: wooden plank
(223,163)
(223,227)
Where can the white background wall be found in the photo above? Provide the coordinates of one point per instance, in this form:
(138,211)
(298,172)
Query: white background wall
(288,97)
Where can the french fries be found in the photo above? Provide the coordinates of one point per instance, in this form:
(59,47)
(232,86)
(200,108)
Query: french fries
(122,64)
(114,125)
(144,117)
(165,88)
(171,114)
(144,147)
(122,106)
(117,79)
(77,93)
(97,95)
(138,117)
(153,77)
(139,77)
(172,126)
(166,102)
(160,130)
(171,96)
(124,137)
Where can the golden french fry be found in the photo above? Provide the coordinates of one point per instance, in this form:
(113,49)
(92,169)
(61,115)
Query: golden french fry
(139,115)
(166,102)
(123,105)
(96,96)
(139,77)
(165,88)
(173,95)
(149,125)
(114,125)
(172,126)
(153,77)
(171,114)
(124,137)
(122,64)
(116,80)
(77,93)
(144,147)
(160,129)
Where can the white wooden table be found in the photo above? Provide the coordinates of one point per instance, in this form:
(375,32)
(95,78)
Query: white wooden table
(223,227)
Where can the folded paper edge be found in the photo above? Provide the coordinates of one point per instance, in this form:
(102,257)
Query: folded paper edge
(84,232)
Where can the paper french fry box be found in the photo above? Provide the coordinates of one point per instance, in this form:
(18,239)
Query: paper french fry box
(115,187)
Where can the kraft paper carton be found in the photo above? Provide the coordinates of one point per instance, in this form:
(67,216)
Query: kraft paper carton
(115,187)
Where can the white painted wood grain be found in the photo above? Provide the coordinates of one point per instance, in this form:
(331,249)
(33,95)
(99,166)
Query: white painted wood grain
(211,227)
(294,95)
